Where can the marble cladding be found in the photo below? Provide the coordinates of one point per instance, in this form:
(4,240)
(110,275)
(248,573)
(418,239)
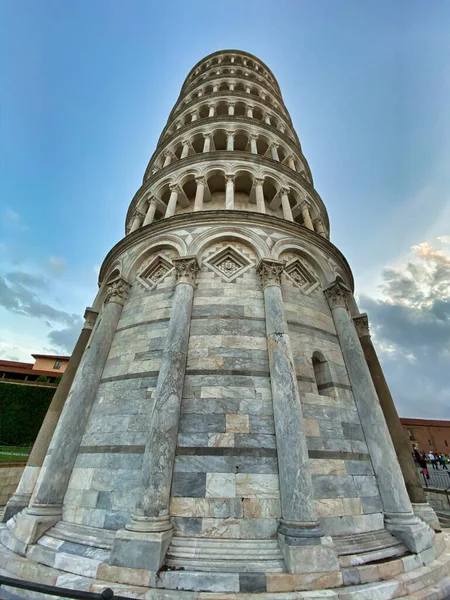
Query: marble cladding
(225,474)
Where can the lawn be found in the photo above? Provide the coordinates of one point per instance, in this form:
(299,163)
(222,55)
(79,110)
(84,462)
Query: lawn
(14,453)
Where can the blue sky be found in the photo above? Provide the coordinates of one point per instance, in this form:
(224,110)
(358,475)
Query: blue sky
(86,88)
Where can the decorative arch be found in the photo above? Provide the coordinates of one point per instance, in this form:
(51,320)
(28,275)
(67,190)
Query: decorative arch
(157,244)
(317,262)
(322,373)
(228,233)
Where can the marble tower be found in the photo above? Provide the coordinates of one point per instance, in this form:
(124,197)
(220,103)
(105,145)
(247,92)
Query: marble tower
(223,431)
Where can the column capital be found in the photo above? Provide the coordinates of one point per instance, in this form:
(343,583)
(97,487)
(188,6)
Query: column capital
(259,181)
(207,135)
(200,179)
(185,142)
(186,268)
(285,189)
(254,136)
(152,200)
(117,291)
(230,133)
(231,103)
(274,145)
(362,325)
(90,317)
(229,176)
(337,294)
(168,153)
(304,205)
(319,221)
(173,187)
(270,271)
(211,105)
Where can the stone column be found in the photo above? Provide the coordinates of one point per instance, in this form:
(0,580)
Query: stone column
(22,495)
(250,112)
(185,150)
(299,534)
(285,204)
(274,152)
(215,87)
(260,203)
(410,473)
(207,142)
(304,206)
(253,146)
(149,217)
(194,117)
(231,86)
(167,159)
(398,513)
(199,193)
(229,191)
(212,110)
(291,162)
(230,109)
(230,140)
(45,507)
(137,221)
(267,119)
(143,544)
(320,227)
(172,204)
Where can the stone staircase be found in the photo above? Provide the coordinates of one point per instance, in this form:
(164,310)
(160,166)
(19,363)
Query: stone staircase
(225,555)
(365,548)
(444,518)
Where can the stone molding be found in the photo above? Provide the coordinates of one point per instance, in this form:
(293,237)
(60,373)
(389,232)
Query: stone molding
(231,218)
(337,294)
(117,291)
(186,269)
(270,271)
(362,325)
(90,317)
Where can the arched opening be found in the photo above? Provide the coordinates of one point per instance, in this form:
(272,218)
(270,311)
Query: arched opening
(257,114)
(242,188)
(262,145)
(240,141)
(239,87)
(216,185)
(322,374)
(223,86)
(221,109)
(220,140)
(239,109)
(197,143)
(203,111)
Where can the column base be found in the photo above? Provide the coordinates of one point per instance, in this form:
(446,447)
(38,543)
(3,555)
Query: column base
(425,512)
(15,504)
(32,523)
(416,535)
(305,549)
(140,550)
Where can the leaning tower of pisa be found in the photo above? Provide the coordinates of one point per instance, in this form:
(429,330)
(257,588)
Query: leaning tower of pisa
(223,436)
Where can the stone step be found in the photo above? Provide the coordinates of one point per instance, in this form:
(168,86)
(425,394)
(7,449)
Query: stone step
(227,566)
(365,558)
(63,561)
(200,553)
(83,534)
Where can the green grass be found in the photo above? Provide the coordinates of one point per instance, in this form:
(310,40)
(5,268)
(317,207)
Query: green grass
(14,453)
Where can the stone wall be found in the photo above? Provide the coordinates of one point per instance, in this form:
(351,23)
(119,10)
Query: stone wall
(438,498)
(10,474)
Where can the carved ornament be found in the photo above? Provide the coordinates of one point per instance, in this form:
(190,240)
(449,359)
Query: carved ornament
(270,271)
(186,269)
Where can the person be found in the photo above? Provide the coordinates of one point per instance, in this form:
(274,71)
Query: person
(422,462)
(444,462)
(433,460)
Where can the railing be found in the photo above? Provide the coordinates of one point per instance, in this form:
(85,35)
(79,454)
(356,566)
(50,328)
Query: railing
(52,590)
(438,478)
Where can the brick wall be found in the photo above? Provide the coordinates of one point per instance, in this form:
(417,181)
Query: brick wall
(10,474)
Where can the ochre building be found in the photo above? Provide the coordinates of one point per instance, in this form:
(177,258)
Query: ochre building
(223,433)
(427,434)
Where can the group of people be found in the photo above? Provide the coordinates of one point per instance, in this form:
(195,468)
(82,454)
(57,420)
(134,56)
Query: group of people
(423,459)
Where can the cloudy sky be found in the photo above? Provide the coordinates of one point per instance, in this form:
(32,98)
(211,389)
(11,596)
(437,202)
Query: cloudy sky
(86,88)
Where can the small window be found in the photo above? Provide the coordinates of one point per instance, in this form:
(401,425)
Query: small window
(57,364)
(411,434)
(429,442)
(446,442)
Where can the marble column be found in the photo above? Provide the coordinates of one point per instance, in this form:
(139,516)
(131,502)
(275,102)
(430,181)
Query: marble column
(207,142)
(144,541)
(299,533)
(167,159)
(137,221)
(304,206)
(259,191)
(22,495)
(274,151)
(172,204)
(285,204)
(410,473)
(253,146)
(291,162)
(150,215)
(250,112)
(185,150)
(45,507)
(199,193)
(229,191)
(267,119)
(230,140)
(320,227)
(194,117)
(398,513)
(212,110)
(230,109)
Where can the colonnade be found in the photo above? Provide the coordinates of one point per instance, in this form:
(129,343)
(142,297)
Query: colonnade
(142,218)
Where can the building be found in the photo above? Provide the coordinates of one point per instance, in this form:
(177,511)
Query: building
(223,432)
(427,434)
(45,365)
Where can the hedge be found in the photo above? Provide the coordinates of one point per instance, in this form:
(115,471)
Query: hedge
(22,410)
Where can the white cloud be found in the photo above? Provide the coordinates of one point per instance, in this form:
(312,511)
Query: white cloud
(57,265)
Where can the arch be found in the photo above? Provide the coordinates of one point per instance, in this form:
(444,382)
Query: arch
(322,373)
(159,243)
(242,234)
(317,262)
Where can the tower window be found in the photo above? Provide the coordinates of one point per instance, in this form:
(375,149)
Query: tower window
(411,434)
(322,374)
(57,364)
